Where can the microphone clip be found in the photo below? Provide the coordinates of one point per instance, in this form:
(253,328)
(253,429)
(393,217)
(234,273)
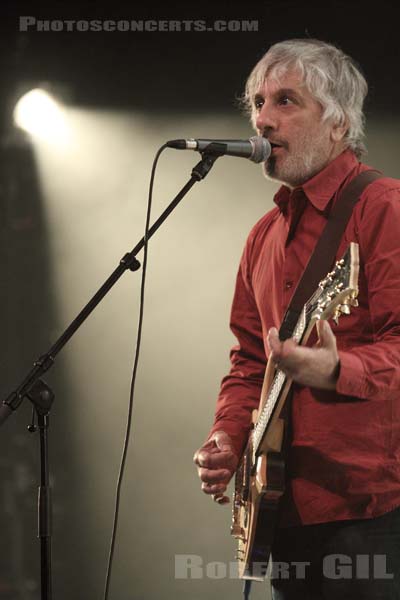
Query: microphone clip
(203,167)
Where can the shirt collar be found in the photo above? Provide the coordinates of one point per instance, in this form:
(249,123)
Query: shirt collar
(322,187)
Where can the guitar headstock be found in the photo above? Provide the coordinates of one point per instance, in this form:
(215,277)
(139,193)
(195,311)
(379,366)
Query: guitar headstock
(337,292)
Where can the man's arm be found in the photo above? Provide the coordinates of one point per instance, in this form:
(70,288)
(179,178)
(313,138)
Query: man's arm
(240,391)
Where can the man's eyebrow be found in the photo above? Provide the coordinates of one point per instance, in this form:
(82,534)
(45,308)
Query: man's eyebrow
(279,92)
(287,92)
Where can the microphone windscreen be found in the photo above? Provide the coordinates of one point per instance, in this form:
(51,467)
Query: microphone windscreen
(261,148)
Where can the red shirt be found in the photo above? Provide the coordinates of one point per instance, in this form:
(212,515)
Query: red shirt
(345,452)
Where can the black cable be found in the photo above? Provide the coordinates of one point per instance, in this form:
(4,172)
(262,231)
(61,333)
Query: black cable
(133,381)
(246,589)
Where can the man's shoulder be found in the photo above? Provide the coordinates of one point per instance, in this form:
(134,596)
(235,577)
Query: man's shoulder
(380,193)
(385,184)
(378,209)
(381,185)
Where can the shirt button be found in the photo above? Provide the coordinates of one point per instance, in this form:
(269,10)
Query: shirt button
(288,284)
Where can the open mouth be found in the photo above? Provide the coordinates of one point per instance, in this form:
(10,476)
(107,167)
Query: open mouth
(275,146)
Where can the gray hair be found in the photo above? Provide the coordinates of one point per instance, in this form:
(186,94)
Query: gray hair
(332,77)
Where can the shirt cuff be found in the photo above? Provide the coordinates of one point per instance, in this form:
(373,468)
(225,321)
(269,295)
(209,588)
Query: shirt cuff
(351,380)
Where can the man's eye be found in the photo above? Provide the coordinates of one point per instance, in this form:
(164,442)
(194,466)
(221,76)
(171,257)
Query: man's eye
(285,100)
(258,103)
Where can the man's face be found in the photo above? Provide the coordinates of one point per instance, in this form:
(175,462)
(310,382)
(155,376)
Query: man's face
(289,116)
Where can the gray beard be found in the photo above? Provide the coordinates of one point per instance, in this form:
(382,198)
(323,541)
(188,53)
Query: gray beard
(302,172)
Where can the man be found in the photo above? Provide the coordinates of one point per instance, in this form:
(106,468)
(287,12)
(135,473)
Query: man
(343,489)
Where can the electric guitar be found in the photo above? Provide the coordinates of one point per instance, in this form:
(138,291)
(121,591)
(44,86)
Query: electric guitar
(259,479)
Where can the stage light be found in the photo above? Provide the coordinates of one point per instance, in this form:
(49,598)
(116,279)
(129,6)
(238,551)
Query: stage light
(38,113)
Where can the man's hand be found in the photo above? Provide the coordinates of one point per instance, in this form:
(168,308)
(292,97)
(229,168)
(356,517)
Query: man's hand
(316,367)
(216,463)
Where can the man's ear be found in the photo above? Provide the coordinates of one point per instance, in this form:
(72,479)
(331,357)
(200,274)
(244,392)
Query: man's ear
(338,131)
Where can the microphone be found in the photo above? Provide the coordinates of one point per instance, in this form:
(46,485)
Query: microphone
(257,148)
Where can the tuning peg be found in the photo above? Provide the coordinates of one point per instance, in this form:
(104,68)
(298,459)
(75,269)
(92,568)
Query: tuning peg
(353,302)
(345,309)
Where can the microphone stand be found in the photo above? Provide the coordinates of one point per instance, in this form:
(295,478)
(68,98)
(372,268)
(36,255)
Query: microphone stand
(42,397)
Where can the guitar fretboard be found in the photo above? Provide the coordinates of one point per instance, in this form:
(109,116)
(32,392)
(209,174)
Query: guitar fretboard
(275,390)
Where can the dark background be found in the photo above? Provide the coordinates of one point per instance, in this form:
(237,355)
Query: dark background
(146,69)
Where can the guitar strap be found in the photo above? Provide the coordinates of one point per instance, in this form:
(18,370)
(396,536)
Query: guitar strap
(326,248)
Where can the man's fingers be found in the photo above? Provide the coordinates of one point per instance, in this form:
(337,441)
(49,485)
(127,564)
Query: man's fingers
(282,353)
(200,458)
(220,498)
(215,476)
(219,460)
(206,449)
(201,455)
(216,462)
(213,488)
(220,445)
(326,336)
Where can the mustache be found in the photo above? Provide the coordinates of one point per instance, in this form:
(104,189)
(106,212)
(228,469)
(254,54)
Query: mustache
(267,134)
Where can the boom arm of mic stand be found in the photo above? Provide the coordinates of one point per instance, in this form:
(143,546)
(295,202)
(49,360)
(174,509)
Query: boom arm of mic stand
(127,262)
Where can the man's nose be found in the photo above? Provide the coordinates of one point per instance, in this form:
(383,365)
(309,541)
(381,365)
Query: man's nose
(265,120)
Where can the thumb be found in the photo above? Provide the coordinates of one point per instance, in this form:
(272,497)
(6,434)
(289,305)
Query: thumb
(326,336)
(222,441)
(273,341)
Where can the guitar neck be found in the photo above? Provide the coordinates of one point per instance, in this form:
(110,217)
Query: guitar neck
(269,401)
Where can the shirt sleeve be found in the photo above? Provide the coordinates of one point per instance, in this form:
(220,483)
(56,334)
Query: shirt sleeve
(372,371)
(241,388)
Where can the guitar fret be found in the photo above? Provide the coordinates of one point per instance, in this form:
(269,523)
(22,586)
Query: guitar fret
(266,413)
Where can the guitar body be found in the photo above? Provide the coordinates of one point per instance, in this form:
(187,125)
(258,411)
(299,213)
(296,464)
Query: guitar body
(256,499)
(259,486)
